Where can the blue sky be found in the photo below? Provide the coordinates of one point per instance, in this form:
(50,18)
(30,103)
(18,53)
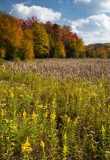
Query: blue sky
(90,19)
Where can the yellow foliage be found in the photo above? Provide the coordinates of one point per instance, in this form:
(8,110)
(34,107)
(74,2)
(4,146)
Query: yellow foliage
(27,45)
(2,53)
(61,49)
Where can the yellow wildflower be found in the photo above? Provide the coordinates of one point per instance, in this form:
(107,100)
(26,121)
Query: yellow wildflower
(14,114)
(68,119)
(65,136)
(40,106)
(24,114)
(103,129)
(45,107)
(4,91)
(11,94)
(53,102)
(34,116)
(53,116)
(76,119)
(100,85)
(13,127)
(42,144)
(26,147)
(2,112)
(64,149)
(6,120)
(45,114)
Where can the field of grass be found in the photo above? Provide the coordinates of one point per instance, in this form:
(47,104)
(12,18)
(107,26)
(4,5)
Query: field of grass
(55,109)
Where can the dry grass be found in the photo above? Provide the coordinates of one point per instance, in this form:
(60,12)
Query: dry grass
(64,68)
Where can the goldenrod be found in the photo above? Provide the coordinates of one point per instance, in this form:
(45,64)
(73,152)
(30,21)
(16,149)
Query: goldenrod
(26,147)
(34,116)
(40,106)
(42,144)
(68,119)
(45,114)
(11,94)
(65,136)
(64,149)
(24,114)
(103,129)
(53,116)
(2,112)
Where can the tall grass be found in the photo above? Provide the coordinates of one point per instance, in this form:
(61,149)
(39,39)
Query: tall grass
(44,118)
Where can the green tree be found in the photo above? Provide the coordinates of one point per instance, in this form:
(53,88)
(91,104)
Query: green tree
(61,49)
(71,49)
(41,41)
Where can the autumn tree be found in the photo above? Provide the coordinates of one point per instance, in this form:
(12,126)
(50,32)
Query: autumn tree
(11,36)
(101,53)
(28,24)
(58,50)
(71,49)
(28,45)
(80,48)
(41,41)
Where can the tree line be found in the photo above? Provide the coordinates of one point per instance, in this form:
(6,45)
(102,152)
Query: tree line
(21,39)
(98,50)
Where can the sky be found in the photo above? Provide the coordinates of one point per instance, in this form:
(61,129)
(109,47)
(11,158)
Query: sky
(89,19)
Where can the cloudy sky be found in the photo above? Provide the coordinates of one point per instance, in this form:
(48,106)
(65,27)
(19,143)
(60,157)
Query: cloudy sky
(90,19)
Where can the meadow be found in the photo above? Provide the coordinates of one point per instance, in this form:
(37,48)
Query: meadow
(55,109)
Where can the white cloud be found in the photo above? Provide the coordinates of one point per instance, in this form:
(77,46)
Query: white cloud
(42,13)
(94,6)
(85,1)
(94,29)
(60,1)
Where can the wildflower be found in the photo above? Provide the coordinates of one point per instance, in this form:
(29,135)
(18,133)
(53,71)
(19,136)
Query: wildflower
(53,116)
(65,136)
(76,119)
(68,119)
(6,120)
(2,112)
(4,91)
(34,116)
(45,114)
(40,106)
(26,147)
(42,144)
(13,127)
(80,98)
(100,85)
(14,114)
(53,102)
(11,94)
(64,149)
(103,129)
(45,107)
(24,114)
(95,95)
